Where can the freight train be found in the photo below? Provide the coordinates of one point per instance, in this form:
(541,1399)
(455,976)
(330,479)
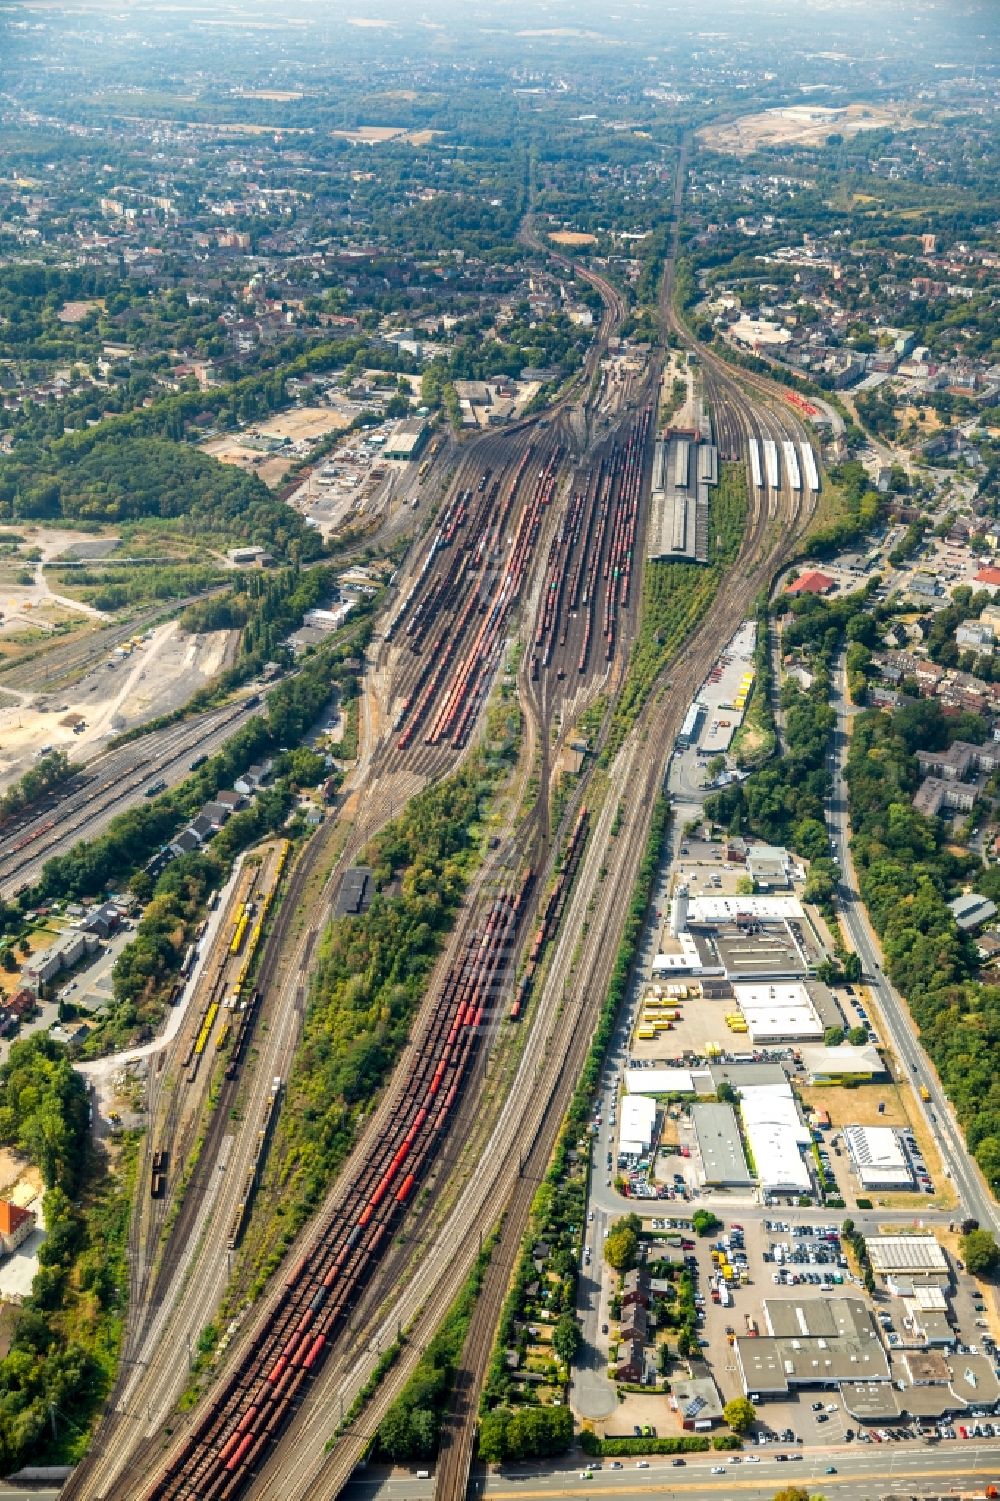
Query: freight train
(222,1453)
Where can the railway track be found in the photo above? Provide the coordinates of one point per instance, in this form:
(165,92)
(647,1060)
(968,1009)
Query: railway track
(198,1463)
(107,785)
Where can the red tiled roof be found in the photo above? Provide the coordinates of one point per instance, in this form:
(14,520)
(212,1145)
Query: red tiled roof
(12,1216)
(988,576)
(812,583)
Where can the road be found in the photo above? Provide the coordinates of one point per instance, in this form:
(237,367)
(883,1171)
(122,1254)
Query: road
(864,1473)
(900,1031)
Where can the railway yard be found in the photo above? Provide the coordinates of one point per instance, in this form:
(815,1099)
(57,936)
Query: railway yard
(538,540)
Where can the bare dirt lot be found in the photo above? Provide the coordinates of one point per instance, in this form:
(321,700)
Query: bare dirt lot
(572,237)
(301,426)
(159,675)
(800,125)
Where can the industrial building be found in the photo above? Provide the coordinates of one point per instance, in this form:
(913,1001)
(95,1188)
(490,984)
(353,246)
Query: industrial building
(717,1133)
(683,470)
(638,1118)
(878,1157)
(663,1081)
(408,439)
(835,1065)
(777,1138)
(779,1012)
(356,891)
(769,866)
(892,1255)
(820,1342)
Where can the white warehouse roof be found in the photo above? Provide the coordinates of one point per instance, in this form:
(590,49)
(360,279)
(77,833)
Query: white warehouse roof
(906,1253)
(638,1115)
(722,909)
(776,1136)
(659,1081)
(878,1156)
(781,1011)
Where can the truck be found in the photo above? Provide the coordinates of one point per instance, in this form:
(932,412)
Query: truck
(925,1093)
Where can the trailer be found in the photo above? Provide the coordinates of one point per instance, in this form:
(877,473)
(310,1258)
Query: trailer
(771,462)
(755,469)
(809,467)
(792,465)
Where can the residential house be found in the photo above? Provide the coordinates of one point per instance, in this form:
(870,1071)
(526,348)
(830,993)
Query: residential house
(635,1288)
(631,1362)
(16,1224)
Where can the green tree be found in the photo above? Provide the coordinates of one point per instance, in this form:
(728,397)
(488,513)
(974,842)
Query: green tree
(740,1414)
(621,1247)
(980,1253)
(566,1338)
(852,968)
(704,1221)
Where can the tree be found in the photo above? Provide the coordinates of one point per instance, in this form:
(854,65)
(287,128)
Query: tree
(725,1093)
(621,1247)
(493,1428)
(740,1414)
(566,1338)
(704,1221)
(744,886)
(858,1036)
(980,1253)
(852,968)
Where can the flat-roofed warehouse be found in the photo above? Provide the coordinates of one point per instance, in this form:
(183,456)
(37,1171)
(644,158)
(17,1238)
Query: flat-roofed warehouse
(718,1136)
(905,1253)
(812,1342)
(407,440)
(878,1157)
(779,1012)
(776,1137)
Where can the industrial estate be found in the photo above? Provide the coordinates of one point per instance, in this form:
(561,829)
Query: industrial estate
(499,767)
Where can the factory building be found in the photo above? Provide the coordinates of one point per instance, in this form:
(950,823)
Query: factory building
(717,1134)
(683,471)
(779,1012)
(408,439)
(814,1343)
(777,1138)
(878,1157)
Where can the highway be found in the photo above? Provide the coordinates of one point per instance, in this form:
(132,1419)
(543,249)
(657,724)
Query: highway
(865,1472)
(899,1029)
